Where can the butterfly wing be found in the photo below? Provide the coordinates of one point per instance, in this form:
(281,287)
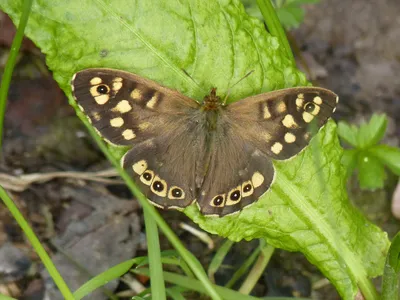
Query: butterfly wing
(125,108)
(281,123)
(129,110)
(250,132)
(237,174)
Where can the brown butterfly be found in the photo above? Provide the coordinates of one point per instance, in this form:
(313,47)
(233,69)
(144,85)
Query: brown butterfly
(182,151)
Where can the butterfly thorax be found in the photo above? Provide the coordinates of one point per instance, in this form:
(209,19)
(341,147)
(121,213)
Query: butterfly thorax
(211,107)
(212,101)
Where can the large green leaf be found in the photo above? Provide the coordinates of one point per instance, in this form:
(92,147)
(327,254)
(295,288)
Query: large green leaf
(217,43)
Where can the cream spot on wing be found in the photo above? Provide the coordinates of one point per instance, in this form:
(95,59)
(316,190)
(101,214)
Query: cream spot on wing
(289,122)
(267,113)
(337,99)
(144,125)
(80,107)
(117,122)
(317,100)
(128,134)
(140,167)
(123,106)
(159,187)
(95,81)
(257,179)
(117,84)
(290,138)
(316,110)
(96,116)
(93,91)
(147,177)
(102,99)
(218,201)
(175,192)
(153,101)
(234,196)
(277,148)
(307,117)
(281,107)
(299,102)
(136,94)
(247,189)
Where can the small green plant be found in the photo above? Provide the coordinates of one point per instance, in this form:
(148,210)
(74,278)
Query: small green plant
(290,12)
(367,156)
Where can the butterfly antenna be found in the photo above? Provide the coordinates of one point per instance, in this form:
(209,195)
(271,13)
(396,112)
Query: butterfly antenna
(188,75)
(230,89)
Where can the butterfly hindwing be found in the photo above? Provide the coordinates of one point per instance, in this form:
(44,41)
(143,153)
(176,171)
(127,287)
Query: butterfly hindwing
(172,159)
(235,178)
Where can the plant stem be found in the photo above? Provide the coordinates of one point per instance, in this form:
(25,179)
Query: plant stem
(36,245)
(275,27)
(257,270)
(155,264)
(6,79)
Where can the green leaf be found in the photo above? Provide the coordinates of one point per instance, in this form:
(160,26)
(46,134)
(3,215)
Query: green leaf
(371,173)
(291,16)
(349,161)
(290,13)
(377,128)
(101,279)
(390,279)
(4,297)
(348,133)
(216,43)
(372,132)
(176,293)
(390,156)
(307,210)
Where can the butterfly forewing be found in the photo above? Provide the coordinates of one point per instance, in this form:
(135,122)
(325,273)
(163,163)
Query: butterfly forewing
(126,109)
(281,123)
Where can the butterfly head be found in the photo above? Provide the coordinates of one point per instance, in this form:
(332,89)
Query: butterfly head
(212,101)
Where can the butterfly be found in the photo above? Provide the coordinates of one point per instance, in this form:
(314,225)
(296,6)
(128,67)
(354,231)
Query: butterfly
(220,156)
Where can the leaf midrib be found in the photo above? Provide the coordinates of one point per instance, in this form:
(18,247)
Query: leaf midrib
(324,230)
